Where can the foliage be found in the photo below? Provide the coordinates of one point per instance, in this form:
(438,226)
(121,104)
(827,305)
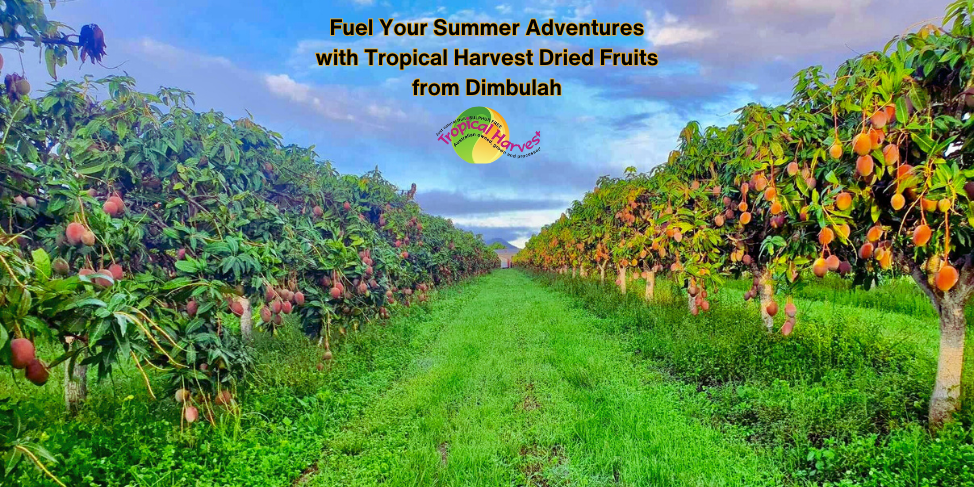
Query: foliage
(866,174)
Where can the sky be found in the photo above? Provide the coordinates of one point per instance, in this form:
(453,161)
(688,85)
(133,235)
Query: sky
(251,57)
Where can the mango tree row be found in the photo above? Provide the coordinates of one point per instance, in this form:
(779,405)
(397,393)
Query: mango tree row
(864,173)
(136,230)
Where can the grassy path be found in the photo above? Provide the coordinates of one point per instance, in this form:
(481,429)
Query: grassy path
(519,388)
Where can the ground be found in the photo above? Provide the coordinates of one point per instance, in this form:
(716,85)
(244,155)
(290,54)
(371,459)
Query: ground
(520,388)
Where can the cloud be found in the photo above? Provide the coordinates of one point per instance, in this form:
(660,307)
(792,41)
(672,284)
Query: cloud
(455,203)
(671,31)
(503,9)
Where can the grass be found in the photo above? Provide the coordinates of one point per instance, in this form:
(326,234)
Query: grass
(520,388)
(547,381)
(289,412)
(843,400)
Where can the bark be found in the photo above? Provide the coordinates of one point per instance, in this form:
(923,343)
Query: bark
(581,271)
(767,295)
(650,285)
(75,384)
(692,304)
(950,362)
(573,271)
(622,279)
(246,320)
(602,273)
(946,397)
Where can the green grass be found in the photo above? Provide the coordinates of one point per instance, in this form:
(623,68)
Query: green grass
(513,380)
(289,412)
(520,388)
(842,400)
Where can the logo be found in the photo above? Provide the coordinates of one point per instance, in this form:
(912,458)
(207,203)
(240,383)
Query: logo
(480,135)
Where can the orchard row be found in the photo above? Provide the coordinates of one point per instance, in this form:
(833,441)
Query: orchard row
(865,173)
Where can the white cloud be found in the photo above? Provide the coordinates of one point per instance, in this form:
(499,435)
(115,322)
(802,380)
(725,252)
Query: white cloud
(583,13)
(503,9)
(363,2)
(671,31)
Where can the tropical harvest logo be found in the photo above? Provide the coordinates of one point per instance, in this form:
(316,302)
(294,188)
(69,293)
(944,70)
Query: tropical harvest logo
(480,135)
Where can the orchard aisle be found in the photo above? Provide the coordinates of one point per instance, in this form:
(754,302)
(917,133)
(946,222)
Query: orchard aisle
(521,389)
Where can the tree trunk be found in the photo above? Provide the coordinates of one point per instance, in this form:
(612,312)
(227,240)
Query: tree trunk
(75,384)
(246,320)
(945,400)
(767,294)
(950,362)
(573,271)
(602,273)
(650,285)
(581,271)
(692,304)
(622,279)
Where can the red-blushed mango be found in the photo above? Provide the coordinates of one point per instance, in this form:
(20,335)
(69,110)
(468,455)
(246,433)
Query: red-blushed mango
(891,154)
(117,272)
(843,201)
(843,231)
(921,235)
(265,314)
(760,182)
(835,150)
(864,165)
(793,168)
(36,372)
(236,307)
(771,309)
(947,278)
(862,144)
(22,353)
(890,112)
(118,202)
(866,251)
(110,208)
(224,398)
(875,233)
(745,218)
(820,268)
(191,414)
(101,281)
(182,395)
(788,327)
(88,238)
(825,236)
(879,119)
(928,204)
(791,310)
(903,172)
(897,201)
(877,137)
(770,193)
(299,298)
(74,232)
(776,208)
(192,308)
(833,262)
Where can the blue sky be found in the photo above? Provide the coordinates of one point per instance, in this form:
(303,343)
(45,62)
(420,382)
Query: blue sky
(259,56)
